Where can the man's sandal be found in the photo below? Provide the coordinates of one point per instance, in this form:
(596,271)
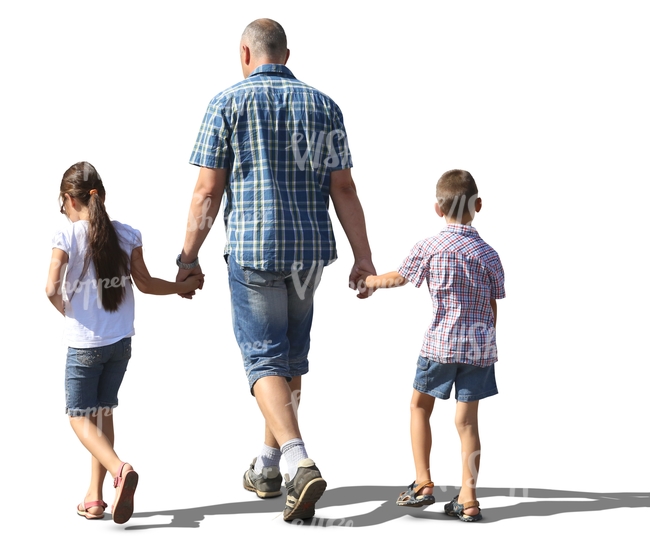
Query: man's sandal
(455,509)
(82,509)
(125,486)
(411,497)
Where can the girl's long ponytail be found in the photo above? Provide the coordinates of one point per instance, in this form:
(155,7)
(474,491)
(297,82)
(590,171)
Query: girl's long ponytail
(82,182)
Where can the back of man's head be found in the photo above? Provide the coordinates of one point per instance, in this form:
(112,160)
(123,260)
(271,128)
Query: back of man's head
(266,39)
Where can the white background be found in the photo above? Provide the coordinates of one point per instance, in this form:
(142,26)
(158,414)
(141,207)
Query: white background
(545,103)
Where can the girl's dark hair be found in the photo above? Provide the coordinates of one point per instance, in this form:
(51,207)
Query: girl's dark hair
(111,262)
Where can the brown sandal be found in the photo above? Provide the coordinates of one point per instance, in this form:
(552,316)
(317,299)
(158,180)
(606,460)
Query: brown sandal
(411,498)
(455,509)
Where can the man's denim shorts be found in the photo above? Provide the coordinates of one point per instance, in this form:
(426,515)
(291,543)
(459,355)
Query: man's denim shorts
(271,316)
(93,377)
(471,382)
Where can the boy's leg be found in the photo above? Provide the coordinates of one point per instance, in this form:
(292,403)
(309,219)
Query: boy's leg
(421,409)
(470,444)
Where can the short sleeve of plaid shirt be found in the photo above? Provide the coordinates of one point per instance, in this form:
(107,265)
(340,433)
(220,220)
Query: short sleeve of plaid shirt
(212,146)
(415,268)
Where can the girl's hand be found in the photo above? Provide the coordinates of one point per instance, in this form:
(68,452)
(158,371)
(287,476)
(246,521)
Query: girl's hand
(194,281)
(184,275)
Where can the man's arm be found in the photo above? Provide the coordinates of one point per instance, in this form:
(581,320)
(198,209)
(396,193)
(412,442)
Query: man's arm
(204,208)
(350,213)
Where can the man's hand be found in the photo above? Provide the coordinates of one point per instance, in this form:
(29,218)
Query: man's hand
(360,270)
(183,274)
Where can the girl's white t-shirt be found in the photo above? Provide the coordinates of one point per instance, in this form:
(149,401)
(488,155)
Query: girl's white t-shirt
(87,323)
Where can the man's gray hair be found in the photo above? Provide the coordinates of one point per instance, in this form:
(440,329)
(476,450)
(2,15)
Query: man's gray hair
(266,38)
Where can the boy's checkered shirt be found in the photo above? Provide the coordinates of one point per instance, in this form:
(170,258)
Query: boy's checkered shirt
(463,274)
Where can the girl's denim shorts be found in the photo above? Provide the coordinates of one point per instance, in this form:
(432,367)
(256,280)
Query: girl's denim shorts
(93,377)
(471,382)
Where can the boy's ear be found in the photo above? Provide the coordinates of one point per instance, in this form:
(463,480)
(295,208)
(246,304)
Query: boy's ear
(438,210)
(478,204)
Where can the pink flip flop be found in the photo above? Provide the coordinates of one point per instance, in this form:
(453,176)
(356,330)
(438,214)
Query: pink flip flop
(82,509)
(126,484)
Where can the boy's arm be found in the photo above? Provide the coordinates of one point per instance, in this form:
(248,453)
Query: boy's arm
(55,278)
(387,280)
(151,285)
(493,304)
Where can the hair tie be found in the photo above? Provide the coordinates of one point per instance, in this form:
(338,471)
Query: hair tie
(92,192)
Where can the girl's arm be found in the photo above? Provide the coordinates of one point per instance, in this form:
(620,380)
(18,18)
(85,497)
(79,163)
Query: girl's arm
(151,285)
(387,280)
(55,278)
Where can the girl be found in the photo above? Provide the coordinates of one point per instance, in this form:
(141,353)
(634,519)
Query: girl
(89,282)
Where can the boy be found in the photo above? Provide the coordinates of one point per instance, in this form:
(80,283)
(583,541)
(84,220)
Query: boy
(465,278)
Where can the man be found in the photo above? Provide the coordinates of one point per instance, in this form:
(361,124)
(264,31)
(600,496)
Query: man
(276,150)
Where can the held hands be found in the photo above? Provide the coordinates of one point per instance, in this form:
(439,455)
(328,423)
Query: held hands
(360,270)
(194,279)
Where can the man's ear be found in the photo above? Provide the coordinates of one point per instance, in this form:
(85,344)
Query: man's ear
(245,54)
(438,210)
(287,58)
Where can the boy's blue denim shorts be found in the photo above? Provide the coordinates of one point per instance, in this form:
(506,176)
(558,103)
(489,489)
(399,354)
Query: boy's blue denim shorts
(471,382)
(271,316)
(93,377)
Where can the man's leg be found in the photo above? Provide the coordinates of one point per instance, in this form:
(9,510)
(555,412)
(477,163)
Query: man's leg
(275,400)
(294,394)
(270,454)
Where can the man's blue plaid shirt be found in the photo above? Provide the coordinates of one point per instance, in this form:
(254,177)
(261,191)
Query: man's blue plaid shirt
(280,138)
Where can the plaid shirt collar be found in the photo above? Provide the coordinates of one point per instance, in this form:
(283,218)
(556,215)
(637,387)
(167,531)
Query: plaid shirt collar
(272,68)
(465,230)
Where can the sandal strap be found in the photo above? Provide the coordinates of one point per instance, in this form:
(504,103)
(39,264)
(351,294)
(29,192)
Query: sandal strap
(418,487)
(469,504)
(88,504)
(118,478)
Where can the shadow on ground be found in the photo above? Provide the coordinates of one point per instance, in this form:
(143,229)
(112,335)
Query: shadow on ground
(535,503)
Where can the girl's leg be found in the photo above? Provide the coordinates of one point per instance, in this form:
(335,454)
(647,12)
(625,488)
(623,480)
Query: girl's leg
(421,409)
(98,438)
(104,422)
(470,445)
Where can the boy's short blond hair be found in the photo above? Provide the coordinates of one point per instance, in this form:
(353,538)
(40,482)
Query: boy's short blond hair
(456,193)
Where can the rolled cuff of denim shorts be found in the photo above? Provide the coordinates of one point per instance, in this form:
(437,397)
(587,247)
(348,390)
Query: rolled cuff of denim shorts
(90,411)
(265,367)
